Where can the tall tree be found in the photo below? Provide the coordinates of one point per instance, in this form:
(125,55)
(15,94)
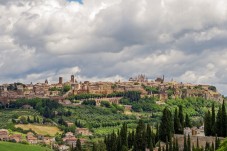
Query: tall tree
(189,143)
(149,136)
(207,124)
(224,122)
(177,129)
(185,144)
(123,134)
(166,126)
(218,127)
(78,145)
(181,118)
(213,120)
(187,121)
(140,137)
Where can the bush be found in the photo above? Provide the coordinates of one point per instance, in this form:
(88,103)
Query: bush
(105,104)
(89,102)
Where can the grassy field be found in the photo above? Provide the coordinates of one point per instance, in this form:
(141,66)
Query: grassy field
(7,146)
(40,129)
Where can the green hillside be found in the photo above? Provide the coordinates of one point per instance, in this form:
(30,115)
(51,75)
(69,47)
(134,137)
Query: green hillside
(7,146)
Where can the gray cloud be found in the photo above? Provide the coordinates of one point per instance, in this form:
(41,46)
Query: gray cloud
(110,40)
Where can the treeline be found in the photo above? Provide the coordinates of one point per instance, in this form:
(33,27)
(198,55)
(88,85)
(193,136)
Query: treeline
(216,124)
(132,95)
(46,107)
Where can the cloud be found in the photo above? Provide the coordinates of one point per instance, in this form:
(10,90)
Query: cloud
(107,40)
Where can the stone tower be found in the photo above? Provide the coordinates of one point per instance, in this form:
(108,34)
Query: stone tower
(72,79)
(60,80)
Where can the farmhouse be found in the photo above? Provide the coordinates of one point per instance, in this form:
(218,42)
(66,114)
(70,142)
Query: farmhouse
(16,137)
(31,138)
(4,134)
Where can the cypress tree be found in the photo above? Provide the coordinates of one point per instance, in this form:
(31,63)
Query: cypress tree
(171,145)
(223,120)
(167,144)
(149,136)
(189,143)
(181,118)
(213,120)
(78,145)
(185,144)
(151,147)
(28,119)
(218,124)
(177,129)
(207,124)
(174,144)
(187,121)
(166,126)
(94,147)
(130,140)
(157,133)
(177,145)
(159,147)
(34,119)
(140,141)
(123,135)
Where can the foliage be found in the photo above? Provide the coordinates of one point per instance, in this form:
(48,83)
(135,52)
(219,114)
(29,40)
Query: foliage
(66,88)
(217,126)
(46,107)
(166,129)
(153,90)
(89,102)
(212,88)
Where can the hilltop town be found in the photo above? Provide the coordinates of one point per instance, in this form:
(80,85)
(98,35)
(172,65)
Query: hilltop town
(62,90)
(69,111)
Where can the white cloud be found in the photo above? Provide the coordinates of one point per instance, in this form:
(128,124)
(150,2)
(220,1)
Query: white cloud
(110,40)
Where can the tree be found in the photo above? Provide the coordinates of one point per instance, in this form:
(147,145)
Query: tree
(189,143)
(207,124)
(28,119)
(66,88)
(166,126)
(217,143)
(218,127)
(181,118)
(123,135)
(140,137)
(149,136)
(187,121)
(185,144)
(78,145)
(47,112)
(177,128)
(224,122)
(213,120)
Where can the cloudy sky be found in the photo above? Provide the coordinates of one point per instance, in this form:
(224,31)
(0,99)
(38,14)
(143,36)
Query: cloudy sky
(114,39)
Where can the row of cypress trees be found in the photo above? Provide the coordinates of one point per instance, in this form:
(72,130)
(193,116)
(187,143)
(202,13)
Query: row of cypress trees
(140,139)
(144,137)
(173,125)
(216,124)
